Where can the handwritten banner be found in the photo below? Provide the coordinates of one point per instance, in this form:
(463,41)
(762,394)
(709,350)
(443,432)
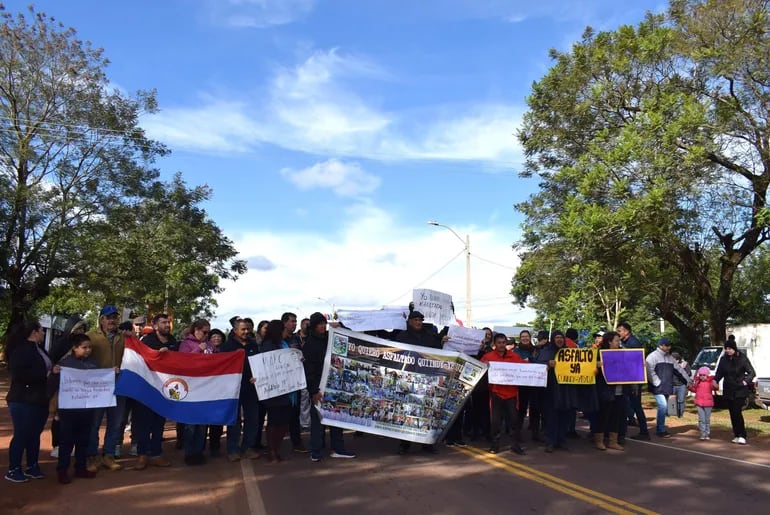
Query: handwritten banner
(278,372)
(576,366)
(436,306)
(521,374)
(372,320)
(464,339)
(624,366)
(81,389)
(394,389)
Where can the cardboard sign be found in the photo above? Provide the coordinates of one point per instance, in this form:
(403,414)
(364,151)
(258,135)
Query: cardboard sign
(79,389)
(521,374)
(576,366)
(278,372)
(436,306)
(624,366)
(464,339)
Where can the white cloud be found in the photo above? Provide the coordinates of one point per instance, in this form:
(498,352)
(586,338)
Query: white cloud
(344,179)
(259,13)
(370,262)
(315,108)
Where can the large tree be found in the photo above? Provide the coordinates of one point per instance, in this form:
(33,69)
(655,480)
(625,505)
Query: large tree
(651,143)
(80,201)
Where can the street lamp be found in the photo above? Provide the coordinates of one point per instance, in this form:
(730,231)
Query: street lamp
(467,243)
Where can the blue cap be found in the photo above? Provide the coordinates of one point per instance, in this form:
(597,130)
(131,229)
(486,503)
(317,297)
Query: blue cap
(108,310)
(664,341)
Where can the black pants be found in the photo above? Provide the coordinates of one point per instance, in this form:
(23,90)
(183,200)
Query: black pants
(611,415)
(504,409)
(528,402)
(736,416)
(74,431)
(215,437)
(480,399)
(295,430)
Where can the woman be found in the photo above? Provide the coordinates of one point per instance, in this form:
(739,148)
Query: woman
(480,395)
(737,372)
(196,342)
(216,338)
(611,401)
(261,331)
(279,409)
(29,367)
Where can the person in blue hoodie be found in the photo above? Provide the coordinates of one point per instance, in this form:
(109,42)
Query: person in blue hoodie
(74,424)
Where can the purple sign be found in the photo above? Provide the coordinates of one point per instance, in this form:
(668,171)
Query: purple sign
(623,366)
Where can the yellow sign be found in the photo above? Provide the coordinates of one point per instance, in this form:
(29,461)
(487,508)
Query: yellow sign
(576,366)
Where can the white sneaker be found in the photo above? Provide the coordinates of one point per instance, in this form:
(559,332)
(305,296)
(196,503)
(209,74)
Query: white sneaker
(55,452)
(737,439)
(741,440)
(707,437)
(344,454)
(118,449)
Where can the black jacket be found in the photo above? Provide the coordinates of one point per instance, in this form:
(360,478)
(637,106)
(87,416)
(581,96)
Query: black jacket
(281,400)
(152,341)
(735,370)
(424,338)
(314,353)
(29,375)
(251,349)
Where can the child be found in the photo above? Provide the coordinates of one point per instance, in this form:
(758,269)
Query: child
(74,424)
(704,387)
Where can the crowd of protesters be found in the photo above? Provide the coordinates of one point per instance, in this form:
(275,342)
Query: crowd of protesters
(492,412)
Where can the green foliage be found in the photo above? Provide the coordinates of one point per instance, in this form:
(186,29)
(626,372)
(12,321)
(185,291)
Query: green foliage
(651,145)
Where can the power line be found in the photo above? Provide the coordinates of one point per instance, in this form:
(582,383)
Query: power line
(427,278)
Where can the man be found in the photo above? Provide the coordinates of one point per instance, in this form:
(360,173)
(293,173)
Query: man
(661,368)
(528,394)
(629,341)
(107,350)
(148,424)
(303,331)
(418,334)
(504,398)
(248,401)
(138,324)
(295,430)
(314,353)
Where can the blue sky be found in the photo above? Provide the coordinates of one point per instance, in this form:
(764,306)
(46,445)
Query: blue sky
(332,131)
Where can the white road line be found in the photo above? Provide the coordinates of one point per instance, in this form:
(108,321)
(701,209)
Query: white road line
(717,456)
(253,495)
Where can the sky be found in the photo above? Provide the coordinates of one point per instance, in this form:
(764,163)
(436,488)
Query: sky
(331,132)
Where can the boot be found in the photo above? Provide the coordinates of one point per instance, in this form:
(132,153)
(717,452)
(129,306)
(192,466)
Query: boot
(599,441)
(109,462)
(93,463)
(141,463)
(613,443)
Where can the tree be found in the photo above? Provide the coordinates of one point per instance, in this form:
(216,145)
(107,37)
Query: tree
(82,213)
(651,143)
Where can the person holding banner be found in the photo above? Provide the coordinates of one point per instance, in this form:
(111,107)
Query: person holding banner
(314,353)
(528,394)
(196,342)
(612,402)
(74,424)
(557,400)
(503,399)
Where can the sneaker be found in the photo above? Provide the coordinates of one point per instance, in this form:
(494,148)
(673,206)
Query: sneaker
(34,472)
(702,437)
(134,451)
(518,450)
(300,448)
(450,443)
(707,437)
(315,458)
(63,477)
(461,443)
(664,434)
(493,450)
(251,454)
(737,439)
(233,457)
(55,452)
(342,454)
(16,476)
(741,440)
(641,436)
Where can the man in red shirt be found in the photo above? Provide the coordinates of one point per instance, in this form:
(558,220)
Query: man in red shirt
(504,398)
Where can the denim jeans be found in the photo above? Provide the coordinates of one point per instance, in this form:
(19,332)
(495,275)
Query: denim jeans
(635,408)
(681,396)
(112,434)
(704,420)
(660,417)
(149,431)
(28,422)
(317,431)
(194,439)
(249,405)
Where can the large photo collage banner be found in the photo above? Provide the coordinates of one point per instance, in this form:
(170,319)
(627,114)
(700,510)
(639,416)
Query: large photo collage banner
(394,389)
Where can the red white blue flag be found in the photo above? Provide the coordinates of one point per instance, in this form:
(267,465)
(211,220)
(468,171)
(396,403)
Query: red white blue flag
(183,387)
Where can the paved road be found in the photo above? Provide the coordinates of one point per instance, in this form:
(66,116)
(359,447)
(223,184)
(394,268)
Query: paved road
(680,475)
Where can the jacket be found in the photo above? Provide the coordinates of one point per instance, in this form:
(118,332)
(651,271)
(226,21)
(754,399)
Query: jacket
(153,342)
(424,338)
(737,372)
(29,375)
(661,367)
(704,391)
(107,354)
(503,391)
(191,344)
(314,353)
(251,348)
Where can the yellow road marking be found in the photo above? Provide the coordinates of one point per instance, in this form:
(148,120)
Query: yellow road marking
(606,502)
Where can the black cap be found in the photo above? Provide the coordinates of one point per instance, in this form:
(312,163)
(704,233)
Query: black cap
(416,314)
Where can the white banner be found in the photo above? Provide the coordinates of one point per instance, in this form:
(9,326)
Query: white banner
(81,389)
(374,319)
(464,339)
(436,306)
(521,374)
(278,372)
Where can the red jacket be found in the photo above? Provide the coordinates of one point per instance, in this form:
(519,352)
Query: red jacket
(704,391)
(504,391)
